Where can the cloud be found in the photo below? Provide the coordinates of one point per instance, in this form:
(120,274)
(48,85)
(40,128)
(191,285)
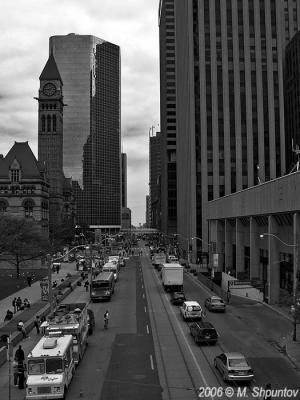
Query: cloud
(25,31)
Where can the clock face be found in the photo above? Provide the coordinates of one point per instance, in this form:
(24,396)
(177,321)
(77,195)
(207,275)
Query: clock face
(49,89)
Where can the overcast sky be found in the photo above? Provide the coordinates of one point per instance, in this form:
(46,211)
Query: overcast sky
(132,24)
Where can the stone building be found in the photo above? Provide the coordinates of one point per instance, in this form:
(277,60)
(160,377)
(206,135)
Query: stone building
(24,189)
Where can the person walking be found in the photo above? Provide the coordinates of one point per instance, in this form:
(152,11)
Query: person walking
(19,355)
(21,328)
(106,317)
(15,372)
(29,280)
(37,323)
(21,375)
(86,285)
(18,303)
(14,304)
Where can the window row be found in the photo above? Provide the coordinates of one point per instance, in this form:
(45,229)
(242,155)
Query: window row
(48,123)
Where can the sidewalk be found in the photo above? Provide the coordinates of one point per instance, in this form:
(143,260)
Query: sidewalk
(33,293)
(287,346)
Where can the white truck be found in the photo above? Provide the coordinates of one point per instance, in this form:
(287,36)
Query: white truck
(172,277)
(158,258)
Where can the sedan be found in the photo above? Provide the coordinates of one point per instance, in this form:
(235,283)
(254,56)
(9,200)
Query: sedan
(215,303)
(234,367)
(177,298)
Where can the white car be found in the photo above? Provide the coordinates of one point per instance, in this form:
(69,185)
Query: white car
(191,310)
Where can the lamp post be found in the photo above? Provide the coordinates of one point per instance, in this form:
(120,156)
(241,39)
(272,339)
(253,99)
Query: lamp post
(295,283)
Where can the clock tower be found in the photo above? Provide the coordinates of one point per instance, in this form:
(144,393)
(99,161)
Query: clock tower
(50,135)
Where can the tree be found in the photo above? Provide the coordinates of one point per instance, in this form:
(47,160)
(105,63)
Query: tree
(21,240)
(62,234)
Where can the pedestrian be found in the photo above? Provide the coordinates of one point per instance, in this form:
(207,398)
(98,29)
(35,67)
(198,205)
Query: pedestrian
(15,372)
(8,316)
(86,285)
(29,280)
(14,304)
(21,328)
(228,295)
(268,391)
(19,355)
(37,323)
(21,375)
(57,268)
(18,303)
(26,303)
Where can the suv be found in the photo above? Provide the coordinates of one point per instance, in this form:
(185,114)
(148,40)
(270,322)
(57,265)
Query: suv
(177,298)
(204,332)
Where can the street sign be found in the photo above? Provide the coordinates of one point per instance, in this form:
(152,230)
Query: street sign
(239,283)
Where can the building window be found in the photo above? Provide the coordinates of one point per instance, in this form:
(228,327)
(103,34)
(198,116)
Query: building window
(43,123)
(54,123)
(15,175)
(3,206)
(48,123)
(28,208)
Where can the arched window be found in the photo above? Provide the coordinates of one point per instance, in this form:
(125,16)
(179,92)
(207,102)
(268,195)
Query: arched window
(43,123)
(48,123)
(54,123)
(28,208)
(3,206)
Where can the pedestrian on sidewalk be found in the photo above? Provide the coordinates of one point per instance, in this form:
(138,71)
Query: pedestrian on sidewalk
(29,280)
(8,316)
(86,285)
(14,304)
(37,323)
(21,375)
(19,355)
(26,303)
(19,303)
(57,268)
(21,328)
(15,372)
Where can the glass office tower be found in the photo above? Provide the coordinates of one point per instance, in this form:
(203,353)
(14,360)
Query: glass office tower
(90,70)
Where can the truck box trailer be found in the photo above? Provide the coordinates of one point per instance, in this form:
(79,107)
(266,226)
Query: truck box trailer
(172,277)
(158,258)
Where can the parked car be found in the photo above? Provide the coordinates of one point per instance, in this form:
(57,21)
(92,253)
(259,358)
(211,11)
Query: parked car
(91,321)
(177,298)
(191,310)
(204,332)
(215,303)
(234,367)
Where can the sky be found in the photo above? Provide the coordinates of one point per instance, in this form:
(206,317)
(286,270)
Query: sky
(24,42)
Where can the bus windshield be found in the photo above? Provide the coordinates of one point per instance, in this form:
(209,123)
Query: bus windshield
(54,365)
(36,367)
(99,284)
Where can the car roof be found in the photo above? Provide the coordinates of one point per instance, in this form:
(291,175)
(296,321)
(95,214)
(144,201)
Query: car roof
(234,355)
(215,298)
(204,324)
(192,303)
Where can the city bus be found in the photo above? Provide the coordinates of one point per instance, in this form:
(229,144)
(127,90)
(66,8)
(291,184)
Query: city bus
(50,367)
(102,286)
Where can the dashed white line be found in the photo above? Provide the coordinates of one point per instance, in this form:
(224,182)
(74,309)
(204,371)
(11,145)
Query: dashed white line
(143,296)
(147,327)
(145,309)
(151,362)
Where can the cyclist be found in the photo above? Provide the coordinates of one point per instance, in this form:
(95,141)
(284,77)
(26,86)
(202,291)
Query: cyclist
(106,317)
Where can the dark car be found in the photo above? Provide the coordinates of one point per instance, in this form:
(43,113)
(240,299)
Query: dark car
(204,332)
(91,321)
(215,303)
(177,298)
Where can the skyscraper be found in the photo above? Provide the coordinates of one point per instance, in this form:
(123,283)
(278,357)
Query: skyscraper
(155,178)
(229,60)
(124,180)
(90,70)
(168,119)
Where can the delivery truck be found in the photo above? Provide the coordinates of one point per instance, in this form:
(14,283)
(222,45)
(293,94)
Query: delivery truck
(172,277)
(158,259)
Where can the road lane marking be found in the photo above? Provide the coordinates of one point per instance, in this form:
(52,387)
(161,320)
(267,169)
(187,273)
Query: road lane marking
(143,296)
(145,309)
(151,362)
(147,327)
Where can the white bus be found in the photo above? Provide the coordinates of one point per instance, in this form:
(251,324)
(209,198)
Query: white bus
(50,368)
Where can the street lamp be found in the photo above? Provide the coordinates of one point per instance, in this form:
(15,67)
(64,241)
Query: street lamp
(295,263)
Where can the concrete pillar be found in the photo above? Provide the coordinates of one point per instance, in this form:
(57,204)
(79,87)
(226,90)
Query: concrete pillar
(228,245)
(220,244)
(273,264)
(254,249)
(296,237)
(239,240)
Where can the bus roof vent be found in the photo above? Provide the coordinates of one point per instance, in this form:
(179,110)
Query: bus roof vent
(50,343)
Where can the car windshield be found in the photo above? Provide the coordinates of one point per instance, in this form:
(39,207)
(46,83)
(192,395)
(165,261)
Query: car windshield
(54,365)
(208,332)
(179,295)
(237,362)
(194,308)
(36,367)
